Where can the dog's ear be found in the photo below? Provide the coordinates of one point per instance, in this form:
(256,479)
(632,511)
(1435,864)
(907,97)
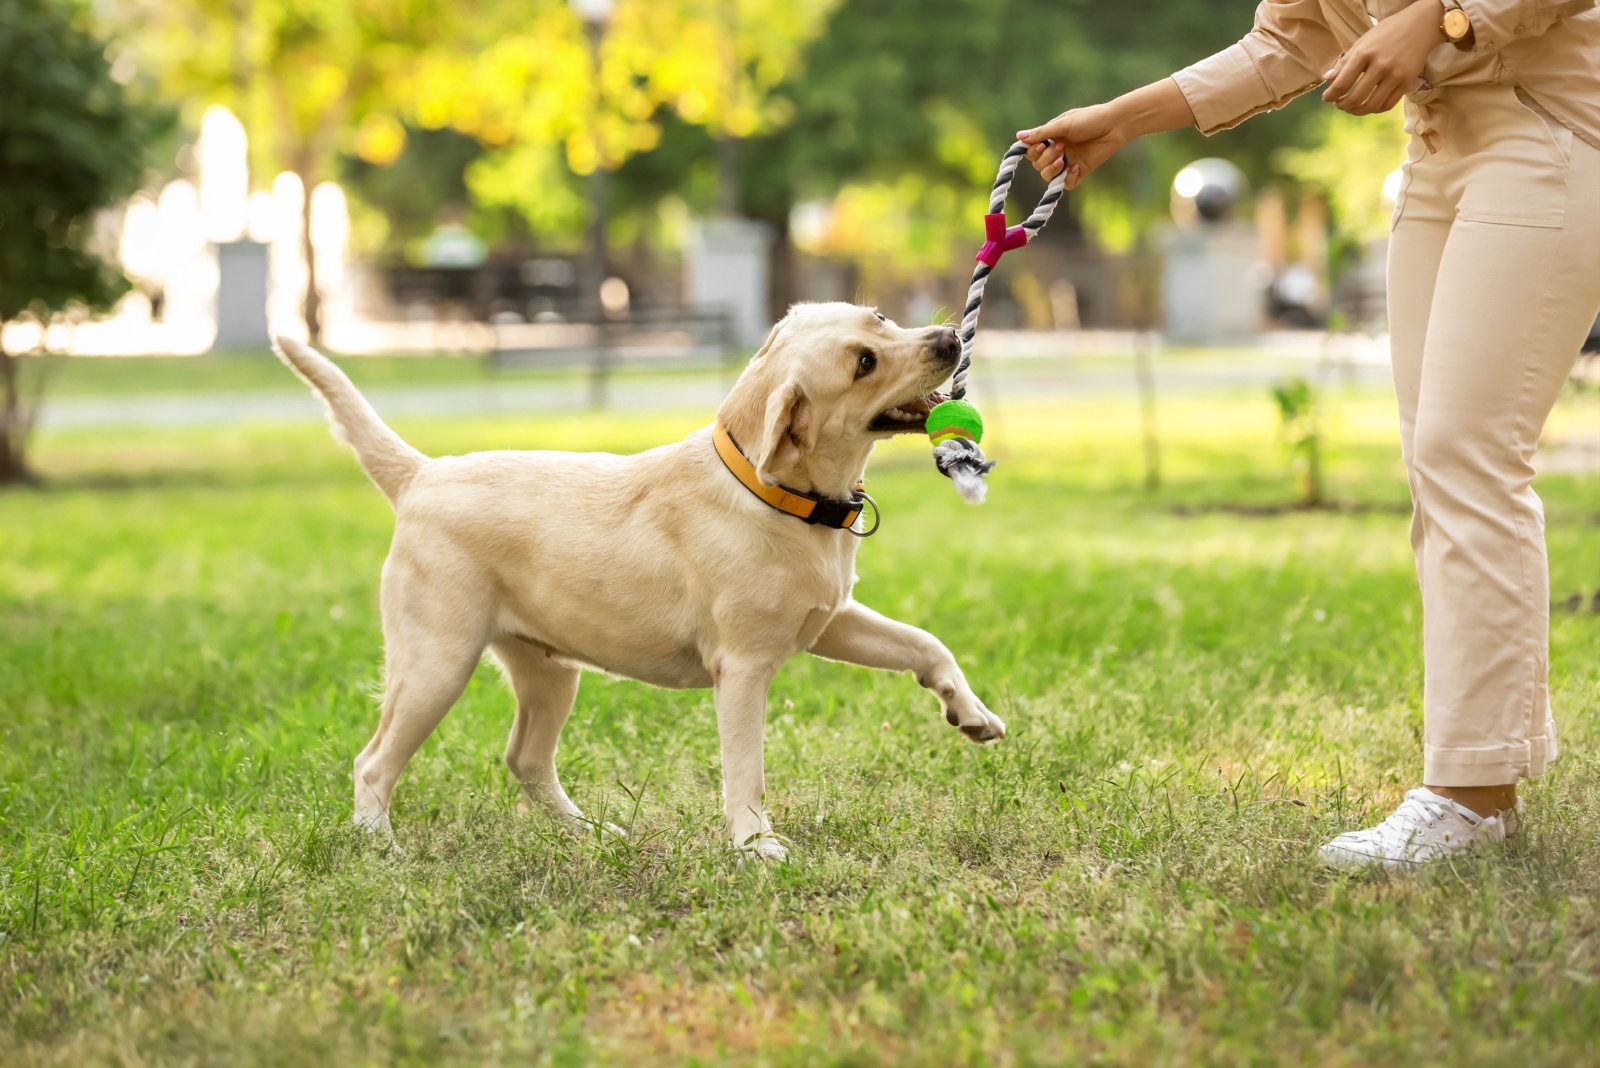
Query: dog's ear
(788,432)
(772,339)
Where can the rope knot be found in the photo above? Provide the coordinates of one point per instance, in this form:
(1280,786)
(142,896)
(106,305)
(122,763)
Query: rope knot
(999,239)
(962,462)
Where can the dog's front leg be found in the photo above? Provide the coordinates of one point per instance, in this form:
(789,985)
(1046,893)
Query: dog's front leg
(741,697)
(858,635)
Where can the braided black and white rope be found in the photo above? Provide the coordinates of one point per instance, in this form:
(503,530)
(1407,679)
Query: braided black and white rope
(959,458)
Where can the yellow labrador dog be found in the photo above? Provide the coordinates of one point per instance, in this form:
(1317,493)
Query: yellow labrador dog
(666,567)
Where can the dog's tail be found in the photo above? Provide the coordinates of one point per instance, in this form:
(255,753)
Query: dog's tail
(388,460)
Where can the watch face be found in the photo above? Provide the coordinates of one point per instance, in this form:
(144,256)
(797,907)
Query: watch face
(1456,24)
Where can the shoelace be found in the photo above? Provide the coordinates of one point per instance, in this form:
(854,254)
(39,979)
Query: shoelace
(1404,825)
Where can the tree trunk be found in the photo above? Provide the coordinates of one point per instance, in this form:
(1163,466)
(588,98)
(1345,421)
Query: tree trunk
(1147,289)
(729,202)
(782,283)
(313,299)
(15,424)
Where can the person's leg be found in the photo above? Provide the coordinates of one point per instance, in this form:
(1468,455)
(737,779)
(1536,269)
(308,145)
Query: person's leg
(1485,321)
(1416,245)
(1511,306)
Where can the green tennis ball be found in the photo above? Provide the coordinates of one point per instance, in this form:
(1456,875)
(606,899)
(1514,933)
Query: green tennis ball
(955,419)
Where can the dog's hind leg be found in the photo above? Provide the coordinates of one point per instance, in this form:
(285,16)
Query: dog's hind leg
(545,687)
(430,657)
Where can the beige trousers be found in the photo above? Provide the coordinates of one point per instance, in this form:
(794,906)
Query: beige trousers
(1494,278)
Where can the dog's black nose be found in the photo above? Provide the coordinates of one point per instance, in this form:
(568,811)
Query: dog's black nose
(947,345)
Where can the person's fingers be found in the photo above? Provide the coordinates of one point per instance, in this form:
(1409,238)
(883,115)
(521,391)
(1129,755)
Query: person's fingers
(1038,135)
(1049,173)
(1370,99)
(1368,93)
(1390,99)
(1075,175)
(1377,99)
(1349,69)
(1054,130)
(1353,101)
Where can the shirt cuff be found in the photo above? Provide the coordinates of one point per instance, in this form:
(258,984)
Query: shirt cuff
(1223,90)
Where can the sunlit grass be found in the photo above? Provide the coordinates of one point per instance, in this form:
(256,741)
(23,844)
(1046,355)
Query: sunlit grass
(1196,698)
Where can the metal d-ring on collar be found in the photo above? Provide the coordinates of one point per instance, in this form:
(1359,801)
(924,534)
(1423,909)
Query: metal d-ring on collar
(877,515)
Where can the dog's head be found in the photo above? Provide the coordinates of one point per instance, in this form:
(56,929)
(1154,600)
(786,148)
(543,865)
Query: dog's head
(830,382)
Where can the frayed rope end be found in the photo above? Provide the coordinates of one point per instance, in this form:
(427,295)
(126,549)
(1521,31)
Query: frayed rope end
(962,462)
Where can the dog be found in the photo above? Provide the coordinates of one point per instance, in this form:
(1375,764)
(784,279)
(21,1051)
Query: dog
(666,566)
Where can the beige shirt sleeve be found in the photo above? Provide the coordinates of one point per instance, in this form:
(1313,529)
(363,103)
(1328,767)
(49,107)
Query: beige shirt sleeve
(1497,23)
(1285,55)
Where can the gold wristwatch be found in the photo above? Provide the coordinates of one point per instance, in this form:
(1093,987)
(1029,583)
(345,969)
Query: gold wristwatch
(1456,26)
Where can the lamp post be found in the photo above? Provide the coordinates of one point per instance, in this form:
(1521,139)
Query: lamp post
(596,16)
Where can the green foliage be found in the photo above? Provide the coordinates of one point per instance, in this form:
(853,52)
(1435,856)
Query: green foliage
(532,181)
(1347,161)
(72,142)
(1195,700)
(398,201)
(308,78)
(935,89)
(1301,431)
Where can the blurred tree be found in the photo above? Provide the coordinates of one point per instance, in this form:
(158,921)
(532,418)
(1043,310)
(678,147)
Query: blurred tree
(72,142)
(701,67)
(394,205)
(306,77)
(917,99)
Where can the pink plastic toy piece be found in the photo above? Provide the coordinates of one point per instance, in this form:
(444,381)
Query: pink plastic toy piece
(999,239)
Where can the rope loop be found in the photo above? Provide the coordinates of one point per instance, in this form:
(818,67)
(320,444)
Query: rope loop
(965,466)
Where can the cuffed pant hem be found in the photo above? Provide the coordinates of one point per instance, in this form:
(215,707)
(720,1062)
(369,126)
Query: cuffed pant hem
(1496,766)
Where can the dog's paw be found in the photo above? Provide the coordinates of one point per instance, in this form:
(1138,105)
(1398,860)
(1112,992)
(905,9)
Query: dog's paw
(974,720)
(762,847)
(581,826)
(375,824)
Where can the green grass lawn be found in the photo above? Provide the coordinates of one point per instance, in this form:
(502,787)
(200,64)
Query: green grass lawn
(189,644)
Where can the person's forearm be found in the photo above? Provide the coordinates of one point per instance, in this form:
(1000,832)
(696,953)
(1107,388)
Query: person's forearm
(1156,108)
(1076,142)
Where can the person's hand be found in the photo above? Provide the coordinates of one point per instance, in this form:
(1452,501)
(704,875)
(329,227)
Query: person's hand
(1383,66)
(1080,140)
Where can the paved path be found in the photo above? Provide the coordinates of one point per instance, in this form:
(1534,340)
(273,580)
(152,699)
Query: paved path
(634,393)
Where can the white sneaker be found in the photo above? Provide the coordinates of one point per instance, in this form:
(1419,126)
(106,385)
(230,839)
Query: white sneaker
(1426,827)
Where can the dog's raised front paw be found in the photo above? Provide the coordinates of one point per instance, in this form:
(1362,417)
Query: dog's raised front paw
(974,720)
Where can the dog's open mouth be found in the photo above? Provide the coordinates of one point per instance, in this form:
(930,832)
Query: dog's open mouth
(907,417)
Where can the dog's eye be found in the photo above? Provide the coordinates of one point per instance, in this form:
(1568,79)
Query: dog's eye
(865,364)
(882,318)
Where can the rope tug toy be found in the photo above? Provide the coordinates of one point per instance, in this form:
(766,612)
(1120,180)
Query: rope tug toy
(954,426)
